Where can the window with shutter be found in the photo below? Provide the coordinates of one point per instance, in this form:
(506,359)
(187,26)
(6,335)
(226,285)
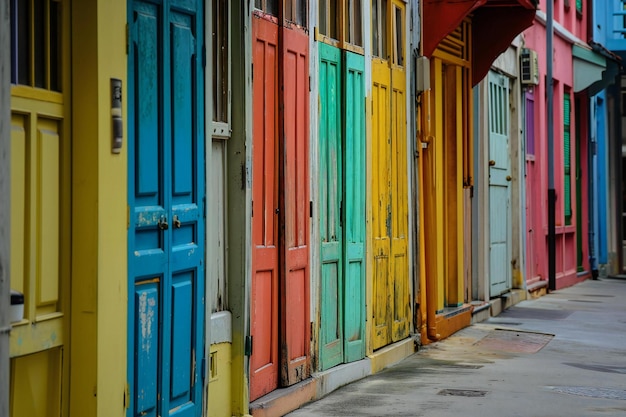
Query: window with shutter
(567,178)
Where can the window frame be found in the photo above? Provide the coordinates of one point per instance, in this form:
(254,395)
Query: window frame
(344,21)
(221,70)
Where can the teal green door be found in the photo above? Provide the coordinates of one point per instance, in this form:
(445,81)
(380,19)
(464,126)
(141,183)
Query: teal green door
(342,206)
(354,202)
(331,233)
(166,209)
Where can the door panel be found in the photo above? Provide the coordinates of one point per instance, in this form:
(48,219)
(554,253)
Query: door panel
(399,270)
(265,238)
(331,233)
(499,185)
(531,256)
(389,188)
(295,322)
(381,205)
(166,188)
(354,203)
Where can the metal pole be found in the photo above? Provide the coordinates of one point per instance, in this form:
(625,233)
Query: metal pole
(550,111)
(5,206)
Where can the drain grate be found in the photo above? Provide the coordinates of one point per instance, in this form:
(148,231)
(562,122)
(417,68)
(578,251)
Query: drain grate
(462,392)
(534,313)
(515,341)
(594,392)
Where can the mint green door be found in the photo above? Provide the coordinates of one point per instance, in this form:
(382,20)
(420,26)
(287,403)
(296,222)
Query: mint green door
(331,190)
(354,202)
(342,206)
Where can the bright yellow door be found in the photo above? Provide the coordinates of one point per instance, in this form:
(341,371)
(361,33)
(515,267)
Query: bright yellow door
(40,204)
(381,204)
(390,287)
(399,178)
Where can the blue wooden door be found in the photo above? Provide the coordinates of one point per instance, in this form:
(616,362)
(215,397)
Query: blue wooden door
(166,210)
(499,185)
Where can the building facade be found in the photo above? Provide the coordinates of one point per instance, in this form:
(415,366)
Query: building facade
(233,208)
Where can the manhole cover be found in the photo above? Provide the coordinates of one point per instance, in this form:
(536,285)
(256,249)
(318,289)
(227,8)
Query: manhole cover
(515,341)
(462,392)
(594,392)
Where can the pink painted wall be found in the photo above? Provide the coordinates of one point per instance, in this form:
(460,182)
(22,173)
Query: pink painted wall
(537,167)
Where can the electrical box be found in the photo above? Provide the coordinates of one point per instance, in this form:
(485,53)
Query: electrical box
(529,67)
(422,74)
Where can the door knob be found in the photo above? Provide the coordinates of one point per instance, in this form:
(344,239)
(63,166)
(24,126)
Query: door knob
(163,225)
(492,162)
(508,178)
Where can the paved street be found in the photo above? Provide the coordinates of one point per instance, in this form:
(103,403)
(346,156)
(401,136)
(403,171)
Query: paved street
(560,355)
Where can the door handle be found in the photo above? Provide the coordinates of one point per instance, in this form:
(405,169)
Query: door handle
(492,162)
(163,225)
(176,221)
(508,178)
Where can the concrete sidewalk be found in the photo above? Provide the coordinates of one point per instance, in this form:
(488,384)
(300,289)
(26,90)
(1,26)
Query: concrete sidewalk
(563,354)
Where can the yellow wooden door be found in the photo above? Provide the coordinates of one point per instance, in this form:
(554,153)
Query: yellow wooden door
(40,205)
(390,286)
(399,177)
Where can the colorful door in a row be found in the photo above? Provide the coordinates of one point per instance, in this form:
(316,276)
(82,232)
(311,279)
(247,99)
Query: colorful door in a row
(342,205)
(391,308)
(166,207)
(41,205)
(500,234)
(280,327)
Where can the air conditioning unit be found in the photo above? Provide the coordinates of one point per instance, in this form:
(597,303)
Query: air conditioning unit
(529,67)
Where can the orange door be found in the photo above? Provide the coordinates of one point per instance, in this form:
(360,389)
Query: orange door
(265,210)
(295,326)
(280,208)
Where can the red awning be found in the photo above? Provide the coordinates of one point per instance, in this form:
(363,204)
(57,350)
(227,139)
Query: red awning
(494,25)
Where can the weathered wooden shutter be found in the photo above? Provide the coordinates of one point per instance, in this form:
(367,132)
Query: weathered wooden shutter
(567,179)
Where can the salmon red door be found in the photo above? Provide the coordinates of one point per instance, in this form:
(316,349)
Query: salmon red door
(265,209)
(166,219)
(295,323)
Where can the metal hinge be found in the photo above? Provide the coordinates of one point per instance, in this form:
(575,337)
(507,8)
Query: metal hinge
(311,208)
(309,83)
(127,396)
(248,347)
(127,39)
(203,370)
(203,56)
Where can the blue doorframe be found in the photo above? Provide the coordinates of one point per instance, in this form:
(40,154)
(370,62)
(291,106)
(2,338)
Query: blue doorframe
(166,192)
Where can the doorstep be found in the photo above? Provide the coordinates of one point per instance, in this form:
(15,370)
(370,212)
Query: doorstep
(284,400)
(392,354)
